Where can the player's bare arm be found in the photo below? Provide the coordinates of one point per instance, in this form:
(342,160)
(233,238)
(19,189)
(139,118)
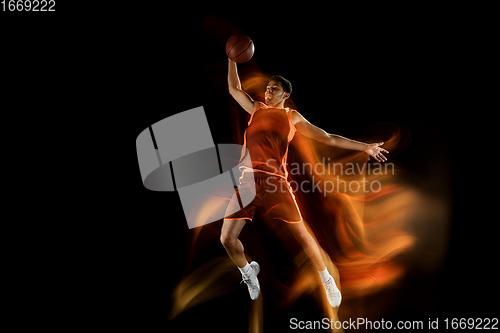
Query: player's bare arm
(234,84)
(316,133)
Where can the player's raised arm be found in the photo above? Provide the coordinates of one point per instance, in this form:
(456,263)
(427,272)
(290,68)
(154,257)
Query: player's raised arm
(311,131)
(233,81)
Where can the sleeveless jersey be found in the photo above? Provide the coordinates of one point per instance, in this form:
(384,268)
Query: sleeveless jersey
(266,138)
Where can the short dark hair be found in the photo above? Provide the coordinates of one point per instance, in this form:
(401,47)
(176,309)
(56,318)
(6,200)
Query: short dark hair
(287,85)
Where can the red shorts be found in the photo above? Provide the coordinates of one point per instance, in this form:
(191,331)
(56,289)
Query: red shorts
(272,193)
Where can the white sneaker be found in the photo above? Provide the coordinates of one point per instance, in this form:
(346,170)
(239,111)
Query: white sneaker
(332,292)
(250,278)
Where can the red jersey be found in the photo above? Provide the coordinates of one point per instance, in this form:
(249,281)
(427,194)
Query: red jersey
(267,136)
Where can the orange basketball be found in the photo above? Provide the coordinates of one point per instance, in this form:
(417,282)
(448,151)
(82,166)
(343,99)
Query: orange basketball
(239,48)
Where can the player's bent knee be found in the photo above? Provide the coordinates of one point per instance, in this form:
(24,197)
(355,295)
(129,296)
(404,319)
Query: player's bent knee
(227,240)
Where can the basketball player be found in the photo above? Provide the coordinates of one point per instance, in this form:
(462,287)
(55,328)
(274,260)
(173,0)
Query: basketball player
(270,130)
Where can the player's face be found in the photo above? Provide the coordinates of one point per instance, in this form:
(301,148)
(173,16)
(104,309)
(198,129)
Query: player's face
(275,93)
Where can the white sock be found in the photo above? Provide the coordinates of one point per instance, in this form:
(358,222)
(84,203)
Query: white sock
(324,275)
(245,269)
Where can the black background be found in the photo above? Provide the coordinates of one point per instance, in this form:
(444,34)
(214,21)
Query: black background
(347,73)
(120,70)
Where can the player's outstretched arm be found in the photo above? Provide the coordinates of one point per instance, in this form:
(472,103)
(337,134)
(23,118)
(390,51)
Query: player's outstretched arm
(233,81)
(313,132)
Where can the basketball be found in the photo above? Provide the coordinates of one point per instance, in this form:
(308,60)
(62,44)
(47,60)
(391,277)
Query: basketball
(239,48)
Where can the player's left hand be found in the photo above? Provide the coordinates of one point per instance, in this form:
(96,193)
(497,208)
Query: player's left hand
(375,151)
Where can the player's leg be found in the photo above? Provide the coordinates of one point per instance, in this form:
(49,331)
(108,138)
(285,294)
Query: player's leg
(281,204)
(311,249)
(308,243)
(231,230)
